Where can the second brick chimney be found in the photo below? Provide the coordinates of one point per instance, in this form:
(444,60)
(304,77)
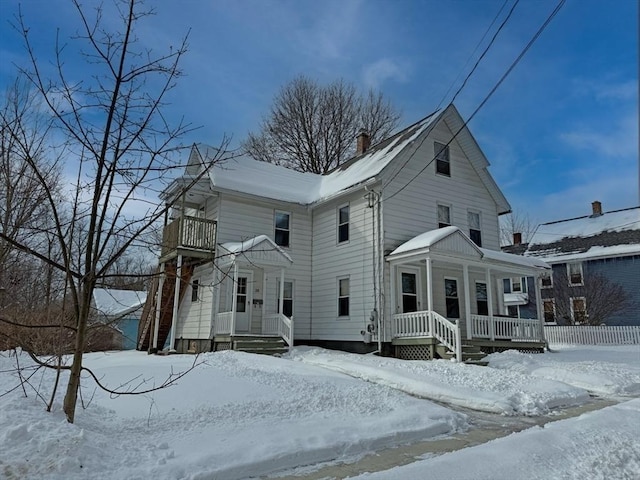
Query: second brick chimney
(364,141)
(596,208)
(517,238)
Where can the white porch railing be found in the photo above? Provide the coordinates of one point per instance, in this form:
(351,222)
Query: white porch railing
(506,328)
(278,324)
(223,323)
(592,335)
(429,324)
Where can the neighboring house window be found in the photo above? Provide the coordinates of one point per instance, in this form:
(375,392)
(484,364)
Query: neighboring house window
(343,224)
(195,284)
(343,297)
(513,311)
(546,280)
(578,309)
(287,299)
(481,298)
(518,285)
(575,273)
(549,307)
(443,165)
(474,228)
(444,216)
(283,229)
(451,295)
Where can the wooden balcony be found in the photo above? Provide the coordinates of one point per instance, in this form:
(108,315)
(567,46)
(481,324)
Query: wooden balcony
(189,236)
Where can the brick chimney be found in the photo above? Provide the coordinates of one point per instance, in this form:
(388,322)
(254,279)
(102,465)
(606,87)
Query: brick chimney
(517,238)
(364,141)
(596,207)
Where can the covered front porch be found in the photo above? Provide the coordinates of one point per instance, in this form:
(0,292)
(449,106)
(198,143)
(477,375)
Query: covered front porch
(250,308)
(445,288)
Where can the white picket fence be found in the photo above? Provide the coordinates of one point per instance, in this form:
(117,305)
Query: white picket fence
(592,335)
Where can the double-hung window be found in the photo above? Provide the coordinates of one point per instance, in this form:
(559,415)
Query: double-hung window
(343,297)
(441,152)
(282,229)
(195,284)
(578,309)
(574,270)
(546,280)
(287,298)
(444,216)
(481,298)
(451,297)
(549,307)
(474,228)
(343,224)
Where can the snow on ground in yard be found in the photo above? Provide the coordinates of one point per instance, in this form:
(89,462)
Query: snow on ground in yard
(234,416)
(602,370)
(238,415)
(601,445)
(471,386)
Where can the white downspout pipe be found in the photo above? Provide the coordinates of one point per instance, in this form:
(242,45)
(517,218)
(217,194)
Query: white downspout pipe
(234,299)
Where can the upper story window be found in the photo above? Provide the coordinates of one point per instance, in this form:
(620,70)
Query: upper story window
(443,165)
(546,280)
(515,285)
(283,229)
(343,224)
(343,297)
(444,216)
(195,285)
(574,271)
(474,228)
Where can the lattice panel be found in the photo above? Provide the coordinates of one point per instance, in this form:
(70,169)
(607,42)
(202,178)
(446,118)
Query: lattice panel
(413,352)
(223,346)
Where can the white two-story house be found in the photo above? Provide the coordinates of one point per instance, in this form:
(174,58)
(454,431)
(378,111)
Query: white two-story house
(396,250)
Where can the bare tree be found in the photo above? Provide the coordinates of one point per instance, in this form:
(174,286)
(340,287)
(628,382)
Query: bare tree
(123,147)
(516,222)
(312,128)
(594,302)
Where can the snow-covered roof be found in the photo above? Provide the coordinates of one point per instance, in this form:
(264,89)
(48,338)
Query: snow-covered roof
(257,249)
(611,234)
(246,175)
(511,258)
(113,302)
(425,240)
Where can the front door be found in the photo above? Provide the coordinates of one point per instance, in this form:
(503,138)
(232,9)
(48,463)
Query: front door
(244,299)
(408,290)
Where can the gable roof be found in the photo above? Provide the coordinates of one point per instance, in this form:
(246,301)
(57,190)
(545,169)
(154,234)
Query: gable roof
(245,175)
(612,234)
(260,250)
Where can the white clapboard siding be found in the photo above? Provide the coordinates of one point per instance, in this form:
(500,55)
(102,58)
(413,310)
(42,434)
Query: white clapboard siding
(332,261)
(194,318)
(592,335)
(414,210)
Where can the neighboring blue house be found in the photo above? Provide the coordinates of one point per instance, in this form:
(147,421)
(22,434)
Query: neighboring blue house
(590,256)
(122,309)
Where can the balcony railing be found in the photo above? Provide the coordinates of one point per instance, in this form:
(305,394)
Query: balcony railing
(189,233)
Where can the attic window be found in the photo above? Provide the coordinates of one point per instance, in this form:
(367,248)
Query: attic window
(443,165)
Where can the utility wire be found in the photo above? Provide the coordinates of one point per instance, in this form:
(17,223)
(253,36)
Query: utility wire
(495,35)
(484,101)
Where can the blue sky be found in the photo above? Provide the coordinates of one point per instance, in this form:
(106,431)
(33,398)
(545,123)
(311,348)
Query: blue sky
(561,131)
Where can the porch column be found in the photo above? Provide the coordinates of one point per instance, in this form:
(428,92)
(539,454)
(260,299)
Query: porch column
(467,298)
(216,300)
(264,294)
(281,299)
(430,294)
(234,299)
(393,290)
(158,313)
(490,304)
(176,304)
(539,309)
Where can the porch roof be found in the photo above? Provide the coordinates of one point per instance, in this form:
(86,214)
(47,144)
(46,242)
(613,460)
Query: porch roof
(451,242)
(260,251)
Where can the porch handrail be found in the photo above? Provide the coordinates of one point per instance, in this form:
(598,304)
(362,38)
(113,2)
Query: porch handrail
(189,232)
(506,328)
(278,324)
(429,324)
(223,323)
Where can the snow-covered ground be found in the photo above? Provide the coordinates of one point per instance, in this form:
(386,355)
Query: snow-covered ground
(238,415)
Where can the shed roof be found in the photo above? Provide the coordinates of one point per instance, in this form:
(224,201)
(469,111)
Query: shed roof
(113,302)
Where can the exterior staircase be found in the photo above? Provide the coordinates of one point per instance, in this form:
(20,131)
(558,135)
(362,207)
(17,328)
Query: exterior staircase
(471,354)
(260,345)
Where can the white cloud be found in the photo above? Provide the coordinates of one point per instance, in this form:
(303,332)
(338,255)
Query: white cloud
(377,73)
(621,141)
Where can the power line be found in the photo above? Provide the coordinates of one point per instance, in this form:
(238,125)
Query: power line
(484,101)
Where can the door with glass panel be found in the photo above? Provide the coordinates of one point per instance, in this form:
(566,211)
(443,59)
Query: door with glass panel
(409,291)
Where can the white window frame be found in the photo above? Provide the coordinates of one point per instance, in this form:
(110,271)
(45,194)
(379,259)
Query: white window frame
(572,284)
(444,205)
(523,285)
(348,223)
(339,297)
(548,275)
(442,153)
(275,227)
(479,229)
(586,313)
(293,286)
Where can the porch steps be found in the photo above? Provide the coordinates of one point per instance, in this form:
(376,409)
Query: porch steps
(260,345)
(471,354)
